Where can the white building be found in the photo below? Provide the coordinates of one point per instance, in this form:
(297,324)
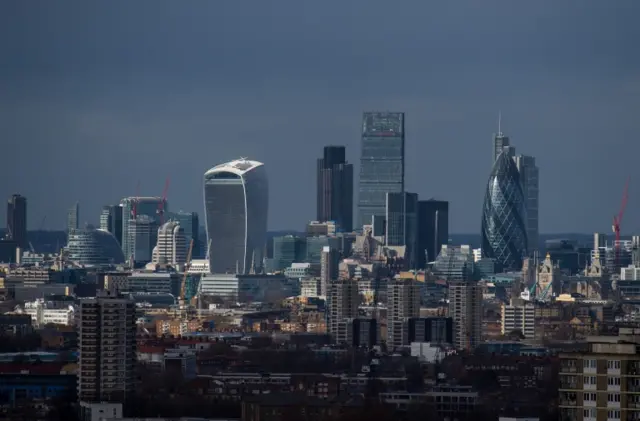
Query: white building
(247,288)
(236,200)
(171,248)
(44,312)
(519,315)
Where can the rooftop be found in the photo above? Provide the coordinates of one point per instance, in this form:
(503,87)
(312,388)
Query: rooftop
(238,167)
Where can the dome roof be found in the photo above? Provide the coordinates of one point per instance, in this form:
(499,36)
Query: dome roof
(94,247)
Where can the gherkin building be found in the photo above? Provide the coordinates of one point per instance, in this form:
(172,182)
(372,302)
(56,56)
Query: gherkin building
(504,230)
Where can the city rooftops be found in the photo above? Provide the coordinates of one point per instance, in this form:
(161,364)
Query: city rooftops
(238,167)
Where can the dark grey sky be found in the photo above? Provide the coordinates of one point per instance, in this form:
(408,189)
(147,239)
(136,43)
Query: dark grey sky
(95,96)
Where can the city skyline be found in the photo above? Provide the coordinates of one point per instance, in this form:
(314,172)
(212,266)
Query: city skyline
(567,95)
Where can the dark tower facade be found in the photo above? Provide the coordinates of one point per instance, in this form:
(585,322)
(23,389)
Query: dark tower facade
(17,220)
(335,188)
(433,230)
(504,228)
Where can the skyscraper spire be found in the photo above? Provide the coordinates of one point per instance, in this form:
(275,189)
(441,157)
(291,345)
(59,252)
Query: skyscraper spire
(499,123)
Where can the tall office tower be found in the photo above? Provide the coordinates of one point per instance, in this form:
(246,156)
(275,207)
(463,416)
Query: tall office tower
(599,243)
(171,248)
(403,303)
(236,201)
(73,219)
(433,230)
(329,268)
(500,142)
(288,250)
(465,307)
(504,216)
(402,224)
(381,163)
(190,223)
(343,300)
(133,207)
(143,236)
(106,327)
(111,220)
(335,188)
(17,220)
(528,170)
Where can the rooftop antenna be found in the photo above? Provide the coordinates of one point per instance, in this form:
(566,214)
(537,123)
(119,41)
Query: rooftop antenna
(499,123)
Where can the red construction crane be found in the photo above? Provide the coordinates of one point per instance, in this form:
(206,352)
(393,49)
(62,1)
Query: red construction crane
(617,220)
(162,203)
(134,205)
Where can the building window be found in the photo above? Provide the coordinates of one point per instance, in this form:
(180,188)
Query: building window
(613,364)
(589,380)
(613,381)
(590,364)
(613,414)
(589,413)
(589,397)
(613,397)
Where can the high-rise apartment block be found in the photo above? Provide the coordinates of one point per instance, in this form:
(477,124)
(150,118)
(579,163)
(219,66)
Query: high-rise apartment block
(17,220)
(381,163)
(403,303)
(519,315)
(602,384)
(433,230)
(465,307)
(73,219)
(335,188)
(107,348)
(402,224)
(171,248)
(343,300)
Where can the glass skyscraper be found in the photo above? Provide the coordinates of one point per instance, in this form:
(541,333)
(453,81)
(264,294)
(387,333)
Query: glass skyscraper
(504,229)
(335,188)
(147,206)
(381,163)
(402,223)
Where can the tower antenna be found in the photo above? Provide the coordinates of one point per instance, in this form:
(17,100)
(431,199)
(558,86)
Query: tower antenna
(499,123)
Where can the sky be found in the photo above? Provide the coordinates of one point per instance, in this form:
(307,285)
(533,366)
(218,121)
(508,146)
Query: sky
(96,97)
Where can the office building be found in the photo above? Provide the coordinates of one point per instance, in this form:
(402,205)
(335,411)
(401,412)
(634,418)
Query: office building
(438,330)
(111,221)
(402,224)
(143,236)
(433,230)
(528,170)
(132,207)
(465,308)
(171,247)
(519,315)
(94,247)
(455,263)
(236,196)
(106,328)
(190,223)
(287,250)
(504,230)
(73,219)
(17,221)
(329,268)
(335,188)
(343,300)
(381,163)
(403,303)
(603,383)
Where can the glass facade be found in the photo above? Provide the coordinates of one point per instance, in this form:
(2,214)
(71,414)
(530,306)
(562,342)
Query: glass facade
(93,247)
(335,188)
(144,206)
(189,222)
(455,263)
(504,228)
(236,208)
(287,250)
(402,223)
(381,163)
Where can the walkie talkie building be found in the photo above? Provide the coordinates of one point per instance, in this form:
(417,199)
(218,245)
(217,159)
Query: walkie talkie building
(236,200)
(504,218)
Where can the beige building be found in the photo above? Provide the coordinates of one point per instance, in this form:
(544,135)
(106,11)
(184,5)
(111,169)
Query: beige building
(519,315)
(403,303)
(465,307)
(604,383)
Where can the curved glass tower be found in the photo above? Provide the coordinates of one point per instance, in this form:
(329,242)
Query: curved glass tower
(236,199)
(504,229)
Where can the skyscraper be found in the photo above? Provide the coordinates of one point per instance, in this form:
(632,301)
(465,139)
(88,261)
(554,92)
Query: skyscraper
(465,307)
(133,207)
(190,223)
(403,303)
(236,200)
(528,170)
(171,248)
(17,220)
(111,220)
(402,223)
(500,142)
(504,235)
(107,348)
(381,163)
(433,230)
(143,236)
(335,188)
(73,219)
